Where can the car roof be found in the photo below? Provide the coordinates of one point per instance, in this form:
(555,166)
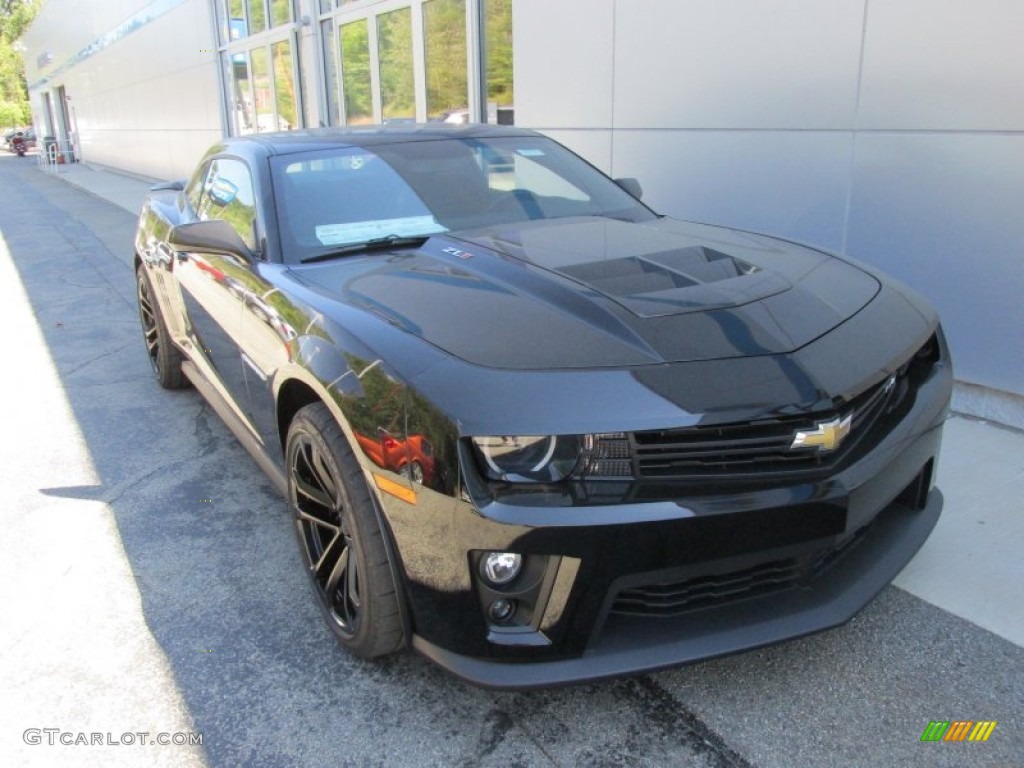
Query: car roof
(287,142)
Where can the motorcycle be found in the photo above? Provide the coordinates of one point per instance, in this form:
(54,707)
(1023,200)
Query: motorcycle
(18,144)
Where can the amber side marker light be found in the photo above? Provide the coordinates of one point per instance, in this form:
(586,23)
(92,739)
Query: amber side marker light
(399,491)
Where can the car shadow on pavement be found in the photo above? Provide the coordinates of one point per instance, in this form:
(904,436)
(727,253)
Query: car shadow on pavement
(213,556)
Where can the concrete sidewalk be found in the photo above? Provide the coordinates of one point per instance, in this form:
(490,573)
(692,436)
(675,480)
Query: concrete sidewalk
(971,564)
(122,189)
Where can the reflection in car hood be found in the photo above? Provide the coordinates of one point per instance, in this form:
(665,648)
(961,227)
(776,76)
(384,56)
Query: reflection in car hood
(590,292)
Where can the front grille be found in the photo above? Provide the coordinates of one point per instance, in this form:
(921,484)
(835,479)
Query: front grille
(754,448)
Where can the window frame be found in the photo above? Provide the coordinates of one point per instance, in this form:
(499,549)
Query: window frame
(370,10)
(244,45)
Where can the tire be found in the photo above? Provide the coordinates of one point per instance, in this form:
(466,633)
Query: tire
(164,356)
(341,544)
(414,471)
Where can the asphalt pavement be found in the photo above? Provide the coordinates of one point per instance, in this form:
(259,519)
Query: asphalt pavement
(151,584)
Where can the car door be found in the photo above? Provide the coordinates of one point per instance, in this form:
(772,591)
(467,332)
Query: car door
(270,327)
(212,284)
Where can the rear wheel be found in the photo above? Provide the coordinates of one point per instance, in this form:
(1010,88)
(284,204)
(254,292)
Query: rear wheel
(165,357)
(340,541)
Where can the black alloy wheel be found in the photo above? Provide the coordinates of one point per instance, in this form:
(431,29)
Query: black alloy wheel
(339,538)
(164,356)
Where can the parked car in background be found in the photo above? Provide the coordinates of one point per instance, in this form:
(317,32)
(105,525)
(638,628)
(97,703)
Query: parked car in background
(640,441)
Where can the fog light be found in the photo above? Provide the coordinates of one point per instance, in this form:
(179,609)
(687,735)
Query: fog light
(501,567)
(501,610)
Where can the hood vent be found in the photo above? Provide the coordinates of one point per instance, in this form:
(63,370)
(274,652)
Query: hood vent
(680,280)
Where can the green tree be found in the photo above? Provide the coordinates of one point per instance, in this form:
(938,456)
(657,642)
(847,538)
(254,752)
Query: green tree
(444,23)
(355,72)
(15,16)
(394,44)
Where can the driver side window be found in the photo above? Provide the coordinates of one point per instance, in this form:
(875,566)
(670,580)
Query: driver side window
(227,193)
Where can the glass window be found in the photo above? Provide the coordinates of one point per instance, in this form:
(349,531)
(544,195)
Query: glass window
(341,196)
(284,85)
(444,43)
(194,188)
(280,12)
(257,16)
(236,20)
(330,198)
(262,90)
(228,195)
(498,65)
(355,72)
(330,72)
(242,114)
(394,47)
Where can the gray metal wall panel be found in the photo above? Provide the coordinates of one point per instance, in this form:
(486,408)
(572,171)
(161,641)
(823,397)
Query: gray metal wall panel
(943,212)
(890,128)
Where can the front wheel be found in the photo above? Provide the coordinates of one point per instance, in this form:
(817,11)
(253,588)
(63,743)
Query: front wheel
(340,541)
(164,356)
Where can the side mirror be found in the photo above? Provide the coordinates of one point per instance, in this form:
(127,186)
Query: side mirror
(211,236)
(632,186)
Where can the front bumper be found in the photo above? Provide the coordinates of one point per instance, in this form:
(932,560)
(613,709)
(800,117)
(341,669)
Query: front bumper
(840,538)
(836,596)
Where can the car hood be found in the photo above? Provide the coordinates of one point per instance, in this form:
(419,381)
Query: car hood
(596,292)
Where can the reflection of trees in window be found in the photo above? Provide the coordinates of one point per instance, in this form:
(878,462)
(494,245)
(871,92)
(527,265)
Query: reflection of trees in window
(241,217)
(444,33)
(499,51)
(261,89)
(240,210)
(257,17)
(355,72)
(284,85)
(394,45)
(280,12)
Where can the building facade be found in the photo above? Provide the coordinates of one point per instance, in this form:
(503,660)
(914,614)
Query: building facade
(887,130)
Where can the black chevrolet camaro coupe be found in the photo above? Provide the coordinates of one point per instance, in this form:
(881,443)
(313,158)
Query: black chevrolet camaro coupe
(530,427)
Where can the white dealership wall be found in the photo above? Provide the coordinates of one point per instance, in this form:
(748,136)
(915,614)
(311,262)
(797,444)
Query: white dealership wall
(888,130)
(141,77)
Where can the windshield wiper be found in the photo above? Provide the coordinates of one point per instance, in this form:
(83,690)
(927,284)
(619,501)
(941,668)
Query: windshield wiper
(376,244)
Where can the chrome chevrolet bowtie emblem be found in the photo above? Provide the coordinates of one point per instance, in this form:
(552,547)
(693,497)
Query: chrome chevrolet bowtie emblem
(826,436)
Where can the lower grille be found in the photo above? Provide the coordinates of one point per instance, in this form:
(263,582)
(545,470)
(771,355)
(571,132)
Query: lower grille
(671,599)
(674,598)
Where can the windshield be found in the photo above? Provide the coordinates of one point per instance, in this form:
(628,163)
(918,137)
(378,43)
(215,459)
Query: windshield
(332,198)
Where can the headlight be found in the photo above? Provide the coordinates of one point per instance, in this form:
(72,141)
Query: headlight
(539,459)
